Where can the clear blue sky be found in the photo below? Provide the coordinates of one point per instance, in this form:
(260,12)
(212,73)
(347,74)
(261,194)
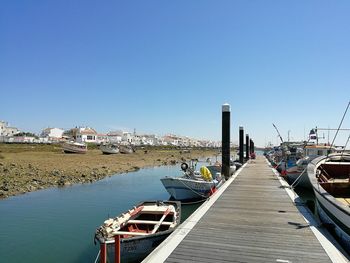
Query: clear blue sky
(168,66)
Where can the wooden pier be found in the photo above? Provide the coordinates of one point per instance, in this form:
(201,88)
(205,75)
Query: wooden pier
(253,220)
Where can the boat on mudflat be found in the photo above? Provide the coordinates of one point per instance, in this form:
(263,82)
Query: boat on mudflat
(193,185)
(141,229)
(109,148)
(126,149)
(329,176)
(74,147)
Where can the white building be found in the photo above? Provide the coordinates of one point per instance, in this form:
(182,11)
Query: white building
(86,134)
(52,133)
(6,130)
(127,137)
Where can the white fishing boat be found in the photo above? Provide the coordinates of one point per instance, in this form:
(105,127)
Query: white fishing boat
(109,148)
(329,176)
(193,185)
(141,229)
(74,147)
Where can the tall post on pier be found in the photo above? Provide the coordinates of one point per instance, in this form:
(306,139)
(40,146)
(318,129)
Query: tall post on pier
(250,146)
(225,147)
(241,144)
(246,147)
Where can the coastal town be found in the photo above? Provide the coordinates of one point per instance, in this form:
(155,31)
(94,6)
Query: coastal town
(30,162)
(10,134)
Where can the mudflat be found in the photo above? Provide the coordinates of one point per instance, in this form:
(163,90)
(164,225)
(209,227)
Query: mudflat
(25,167)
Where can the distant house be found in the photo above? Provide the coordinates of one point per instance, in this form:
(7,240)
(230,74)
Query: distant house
(86,134)
(6,130)
(128,137)
(52,133)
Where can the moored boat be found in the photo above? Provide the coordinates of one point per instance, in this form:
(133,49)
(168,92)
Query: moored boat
(329,176)
(298,172)
(193,185)
(141,229)
(109,148)
(74,147)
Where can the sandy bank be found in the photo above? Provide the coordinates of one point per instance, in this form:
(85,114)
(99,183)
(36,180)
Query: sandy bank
(26,168)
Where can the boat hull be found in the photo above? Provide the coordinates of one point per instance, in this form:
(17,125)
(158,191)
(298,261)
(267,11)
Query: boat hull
(108,150)
(125,149)
(330,219)
(185,189)
(69,148)
(136,249)
(332,212)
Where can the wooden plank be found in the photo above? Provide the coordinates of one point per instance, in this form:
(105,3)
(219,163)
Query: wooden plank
(254,220)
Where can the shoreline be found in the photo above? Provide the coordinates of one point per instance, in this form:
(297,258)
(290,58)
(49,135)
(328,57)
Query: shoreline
(27,168)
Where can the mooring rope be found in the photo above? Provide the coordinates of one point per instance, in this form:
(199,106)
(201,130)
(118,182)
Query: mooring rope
(98,257)
(297,180)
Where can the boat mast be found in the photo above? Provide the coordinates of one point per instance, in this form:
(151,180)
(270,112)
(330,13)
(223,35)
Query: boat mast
(278,132)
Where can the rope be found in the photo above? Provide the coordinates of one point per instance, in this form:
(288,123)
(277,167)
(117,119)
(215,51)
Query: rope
(98,256)
(341,122)
(297,180)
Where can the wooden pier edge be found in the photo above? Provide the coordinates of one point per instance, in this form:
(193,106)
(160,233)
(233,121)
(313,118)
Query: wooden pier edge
(335,252)
(162,252)
(166,248)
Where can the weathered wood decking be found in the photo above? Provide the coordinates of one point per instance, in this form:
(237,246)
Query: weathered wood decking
(254,220)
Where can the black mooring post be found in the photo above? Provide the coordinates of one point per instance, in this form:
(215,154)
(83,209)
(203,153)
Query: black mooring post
(246,147)
(250,146)
(241,144)
(225,148)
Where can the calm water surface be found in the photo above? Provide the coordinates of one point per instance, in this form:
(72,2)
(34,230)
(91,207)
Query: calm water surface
(58,224)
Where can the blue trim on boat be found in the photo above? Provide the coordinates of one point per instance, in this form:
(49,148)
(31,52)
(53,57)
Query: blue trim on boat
(187,188)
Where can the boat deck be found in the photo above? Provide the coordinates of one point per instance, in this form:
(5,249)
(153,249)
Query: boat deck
(253,220)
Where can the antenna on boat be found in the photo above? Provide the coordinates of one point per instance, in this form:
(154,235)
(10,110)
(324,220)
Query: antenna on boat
(346,144)
(341,122)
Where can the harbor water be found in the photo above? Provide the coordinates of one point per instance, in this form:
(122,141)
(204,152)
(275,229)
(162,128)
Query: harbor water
(58,224)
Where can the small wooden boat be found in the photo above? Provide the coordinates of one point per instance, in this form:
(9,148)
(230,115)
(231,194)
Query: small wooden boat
(74,147)
(330,179)
(126,149)
(141,229)
(110,148)
(193,185)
